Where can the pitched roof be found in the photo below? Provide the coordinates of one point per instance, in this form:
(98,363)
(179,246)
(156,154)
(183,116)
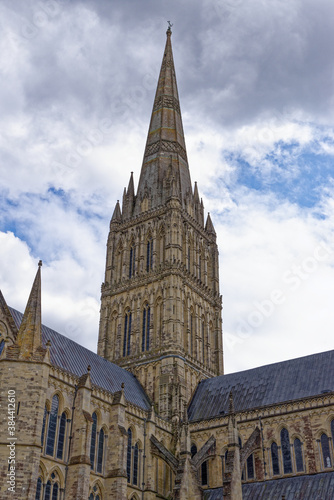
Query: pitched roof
(285,381)
(75,359)
(308,487)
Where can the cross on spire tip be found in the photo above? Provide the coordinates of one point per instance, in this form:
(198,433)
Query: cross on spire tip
(169,30)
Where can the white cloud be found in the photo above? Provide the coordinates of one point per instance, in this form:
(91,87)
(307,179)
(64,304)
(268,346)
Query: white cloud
(256,83)
(275,263)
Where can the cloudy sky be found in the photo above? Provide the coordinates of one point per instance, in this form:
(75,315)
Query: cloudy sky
(256,84)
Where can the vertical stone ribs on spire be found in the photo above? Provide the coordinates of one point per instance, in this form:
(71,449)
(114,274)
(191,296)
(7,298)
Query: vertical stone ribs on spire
(165,140)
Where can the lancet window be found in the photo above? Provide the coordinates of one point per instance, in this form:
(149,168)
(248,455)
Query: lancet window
(132,262)
(61,436)
(39,489)
(146,328)
(52,428)
(51,490)
(203,339)
(274,459)
(205,473)
(127,333)
(326,455)
(149,254)
(132,460)
(286,452)
(93,441)
(192,327)
(298,455)
(96,446)
(250,469)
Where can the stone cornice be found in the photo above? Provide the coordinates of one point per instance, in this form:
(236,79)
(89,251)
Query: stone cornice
(156,275)
(158,212)
(190,361)
(287,407)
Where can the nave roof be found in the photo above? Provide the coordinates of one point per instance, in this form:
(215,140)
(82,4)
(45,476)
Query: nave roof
(264,386)
(74,358)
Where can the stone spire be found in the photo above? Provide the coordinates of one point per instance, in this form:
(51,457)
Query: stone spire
(165,152)
(29,336)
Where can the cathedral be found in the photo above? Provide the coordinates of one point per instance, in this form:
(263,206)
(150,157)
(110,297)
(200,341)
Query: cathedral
(152,415)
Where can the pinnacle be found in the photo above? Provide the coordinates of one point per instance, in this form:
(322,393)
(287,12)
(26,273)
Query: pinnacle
(131,188)
(117,216)
(29,335)
(196,195)
(209,226)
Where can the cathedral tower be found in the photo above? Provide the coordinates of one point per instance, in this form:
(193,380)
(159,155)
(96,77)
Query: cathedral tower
(160,306)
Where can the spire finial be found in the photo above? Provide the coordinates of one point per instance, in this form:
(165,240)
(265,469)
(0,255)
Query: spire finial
(169,30)
(40,263)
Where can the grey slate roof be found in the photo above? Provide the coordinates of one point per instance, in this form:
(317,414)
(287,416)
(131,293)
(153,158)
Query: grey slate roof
(308,487)
(266,385)
(75,358)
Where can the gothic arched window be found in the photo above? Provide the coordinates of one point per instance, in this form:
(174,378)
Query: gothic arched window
(55,492)
(204,473)
(93,441)
(298,455)
(191,333)
(128,455)
(203,339)
(95,494)
(50,441)
(99,465)
(200,267)
(161,246)
(127,334)
(38,489)
(286,452)
(274,459)
(145,345)
(61,436)
(135,464)
(250,467)
(224,461)
(149,255)
(132,263)
(2,345)
(325,451)
(193,450)
(332,429)
(43,426)
(47,494)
